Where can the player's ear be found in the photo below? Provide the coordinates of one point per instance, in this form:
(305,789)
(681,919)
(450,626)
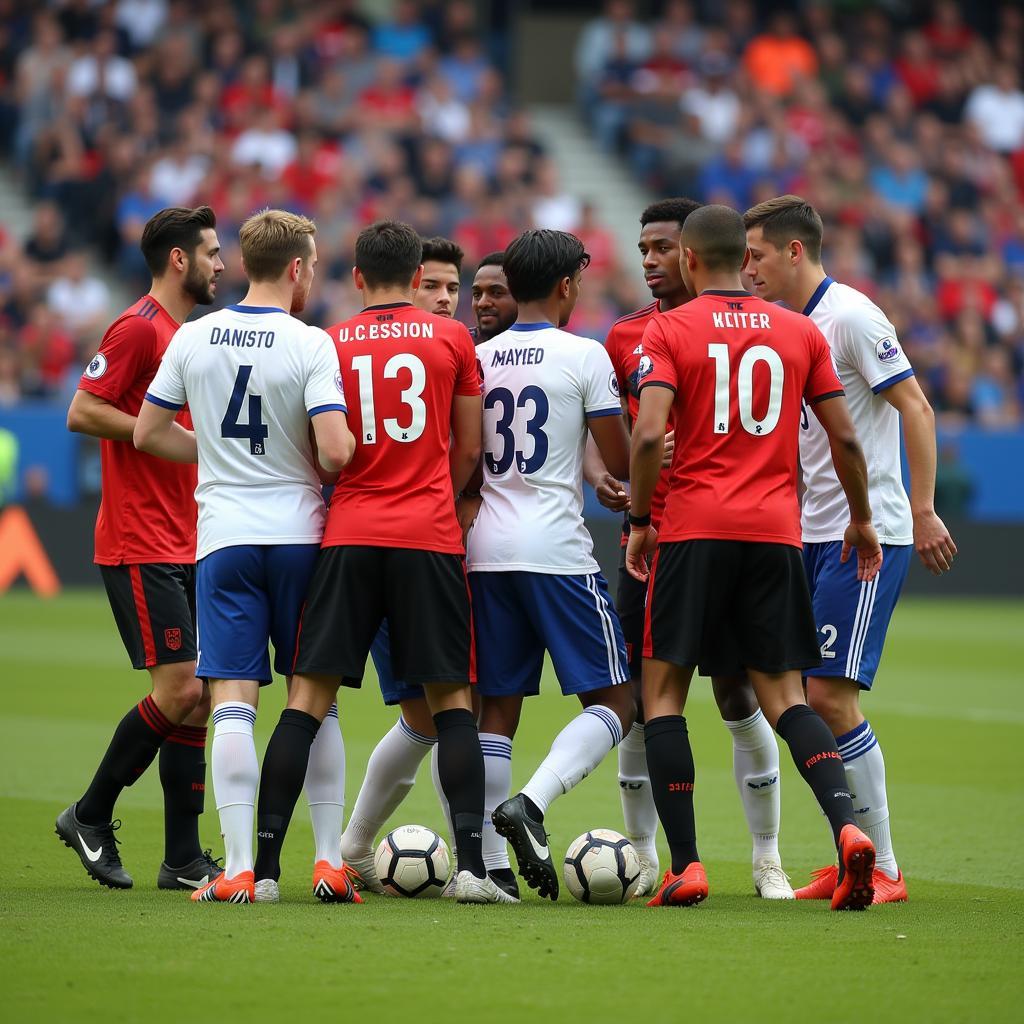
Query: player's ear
(417,277)
(295,269)
(177,259)
(357,279)
(564,286)
(796,250)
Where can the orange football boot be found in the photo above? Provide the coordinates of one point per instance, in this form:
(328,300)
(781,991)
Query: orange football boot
(889,890)
(333,885)
(240,889)
(821,886)
(683,890)
(855,889)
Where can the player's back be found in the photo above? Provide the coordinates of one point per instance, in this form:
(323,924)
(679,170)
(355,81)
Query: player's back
(740,368)
(401,368)
(540,384)
(253,376)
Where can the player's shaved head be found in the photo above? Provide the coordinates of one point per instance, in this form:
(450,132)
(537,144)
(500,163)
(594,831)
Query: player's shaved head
(716,235)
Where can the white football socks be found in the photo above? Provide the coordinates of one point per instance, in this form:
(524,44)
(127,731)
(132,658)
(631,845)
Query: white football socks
(755,762)
(390,774)
(236,774)
(497,787)
(577,750)
(325,788)
(639,814)
(435,776)
(865,774)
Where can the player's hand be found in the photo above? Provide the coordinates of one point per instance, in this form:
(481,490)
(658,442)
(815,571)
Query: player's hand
(670,449)
(611,493)
(467,508)
(642,541)
(862,537)
(934,545)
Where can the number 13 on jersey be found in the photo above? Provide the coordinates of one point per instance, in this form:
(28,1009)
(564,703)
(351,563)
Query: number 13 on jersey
(411,398)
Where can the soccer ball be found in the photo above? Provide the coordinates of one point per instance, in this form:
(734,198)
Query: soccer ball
(413,861)
(602,866)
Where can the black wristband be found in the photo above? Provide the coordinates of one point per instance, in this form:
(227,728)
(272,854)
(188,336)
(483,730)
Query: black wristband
(469,494)
(640,520)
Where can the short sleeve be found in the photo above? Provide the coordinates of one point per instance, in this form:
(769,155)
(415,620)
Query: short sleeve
(468,381)
(167,388)
(657,363)
(127,349)
(866,340)
(599,385)
(615,349)
(324,390)
(822,379)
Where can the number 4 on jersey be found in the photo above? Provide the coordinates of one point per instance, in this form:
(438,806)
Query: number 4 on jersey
(255,430)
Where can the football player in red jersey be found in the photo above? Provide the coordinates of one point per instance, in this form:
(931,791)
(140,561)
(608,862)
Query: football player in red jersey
(146,551)
(392,547)
(727,591)
(755,750)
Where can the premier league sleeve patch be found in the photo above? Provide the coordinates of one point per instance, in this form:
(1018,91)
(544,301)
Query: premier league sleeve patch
(613,384)
(339,384)
(97,367)
(646,367)
(887,350)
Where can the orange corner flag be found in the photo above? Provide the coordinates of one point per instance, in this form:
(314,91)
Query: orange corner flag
(22,552)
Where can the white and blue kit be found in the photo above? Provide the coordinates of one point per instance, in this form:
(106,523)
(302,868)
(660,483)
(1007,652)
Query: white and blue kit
(252,376)
(534,580)
(852,616)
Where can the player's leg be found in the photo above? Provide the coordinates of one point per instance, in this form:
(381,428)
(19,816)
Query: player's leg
(576,622)
(87,826)
(777,640)
(499,720)
(755,762)
(639,814)
(852,619)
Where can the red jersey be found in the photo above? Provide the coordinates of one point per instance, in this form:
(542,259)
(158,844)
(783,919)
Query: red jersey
(401,368)
(623,346)
(148,506)
(739,367)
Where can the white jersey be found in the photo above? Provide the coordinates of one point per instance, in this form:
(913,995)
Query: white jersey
(868,359)
(252,377)
(540,385)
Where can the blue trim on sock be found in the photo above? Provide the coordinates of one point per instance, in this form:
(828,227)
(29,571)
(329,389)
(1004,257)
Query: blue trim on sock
(418,737)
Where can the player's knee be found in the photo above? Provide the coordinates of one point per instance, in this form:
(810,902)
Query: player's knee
(177,690)
(620,699)
(418,717)
(735,698)
(200,714)
(834,704)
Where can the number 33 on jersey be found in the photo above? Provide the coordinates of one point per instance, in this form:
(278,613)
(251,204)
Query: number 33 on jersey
(401,369)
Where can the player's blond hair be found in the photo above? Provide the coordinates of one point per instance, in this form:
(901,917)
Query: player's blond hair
(271,239)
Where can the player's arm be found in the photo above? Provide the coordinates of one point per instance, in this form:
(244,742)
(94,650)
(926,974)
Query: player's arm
(333,441)
(852,470)
(467,439)
(609,490)
(934,545)
(90,414)
(157,433)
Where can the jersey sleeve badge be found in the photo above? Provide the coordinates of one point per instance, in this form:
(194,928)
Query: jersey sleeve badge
(887,350)
(97,366)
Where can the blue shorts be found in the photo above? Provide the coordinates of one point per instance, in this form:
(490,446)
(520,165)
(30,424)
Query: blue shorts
(393,691)
(519,615)
(852,617)
(247,596)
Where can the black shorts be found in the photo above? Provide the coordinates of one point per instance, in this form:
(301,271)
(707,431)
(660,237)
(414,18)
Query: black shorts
(154,606)
(423,595)
(726,606)
(630,599)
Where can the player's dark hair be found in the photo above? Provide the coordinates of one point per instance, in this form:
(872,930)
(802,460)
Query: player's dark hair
(177,227)
(537,260)
(442,250)
(677,209)
(388,252)
(786,218)
(717,235)
(492,259)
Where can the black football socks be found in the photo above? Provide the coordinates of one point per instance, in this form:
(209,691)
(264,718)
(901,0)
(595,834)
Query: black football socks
(816,756)
(670,765)
(183,778)
(460,765)
(132,749)
(284,770)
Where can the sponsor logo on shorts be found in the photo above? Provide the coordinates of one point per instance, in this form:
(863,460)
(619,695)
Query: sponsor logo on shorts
(172,638)
(887,350)
(97,367)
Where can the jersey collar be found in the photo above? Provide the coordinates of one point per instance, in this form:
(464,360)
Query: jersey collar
(239,308)
(541,325)
(817,296)
(385,305)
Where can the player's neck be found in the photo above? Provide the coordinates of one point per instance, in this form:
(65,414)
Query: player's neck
(269,294)
(715,282)
(676,299)
(805,286)
(176,302)
(385,296)
(543,311)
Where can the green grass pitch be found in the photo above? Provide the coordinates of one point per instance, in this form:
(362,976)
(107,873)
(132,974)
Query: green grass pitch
(948,710)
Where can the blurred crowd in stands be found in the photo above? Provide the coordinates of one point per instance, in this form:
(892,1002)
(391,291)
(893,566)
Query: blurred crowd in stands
(907,135)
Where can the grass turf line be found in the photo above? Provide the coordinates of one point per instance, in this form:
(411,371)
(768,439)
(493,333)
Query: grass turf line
(948,713)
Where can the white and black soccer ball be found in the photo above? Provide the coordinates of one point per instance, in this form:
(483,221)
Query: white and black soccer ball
(413,861)
(601,866)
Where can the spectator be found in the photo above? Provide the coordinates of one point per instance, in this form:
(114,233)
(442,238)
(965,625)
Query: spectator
(615,32)
(715,106)
(779,58)
(997,110)
(102,72)
(80,301)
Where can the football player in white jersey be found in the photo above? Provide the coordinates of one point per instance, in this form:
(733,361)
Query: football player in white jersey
(784,236)
(535,583)
(255,379)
